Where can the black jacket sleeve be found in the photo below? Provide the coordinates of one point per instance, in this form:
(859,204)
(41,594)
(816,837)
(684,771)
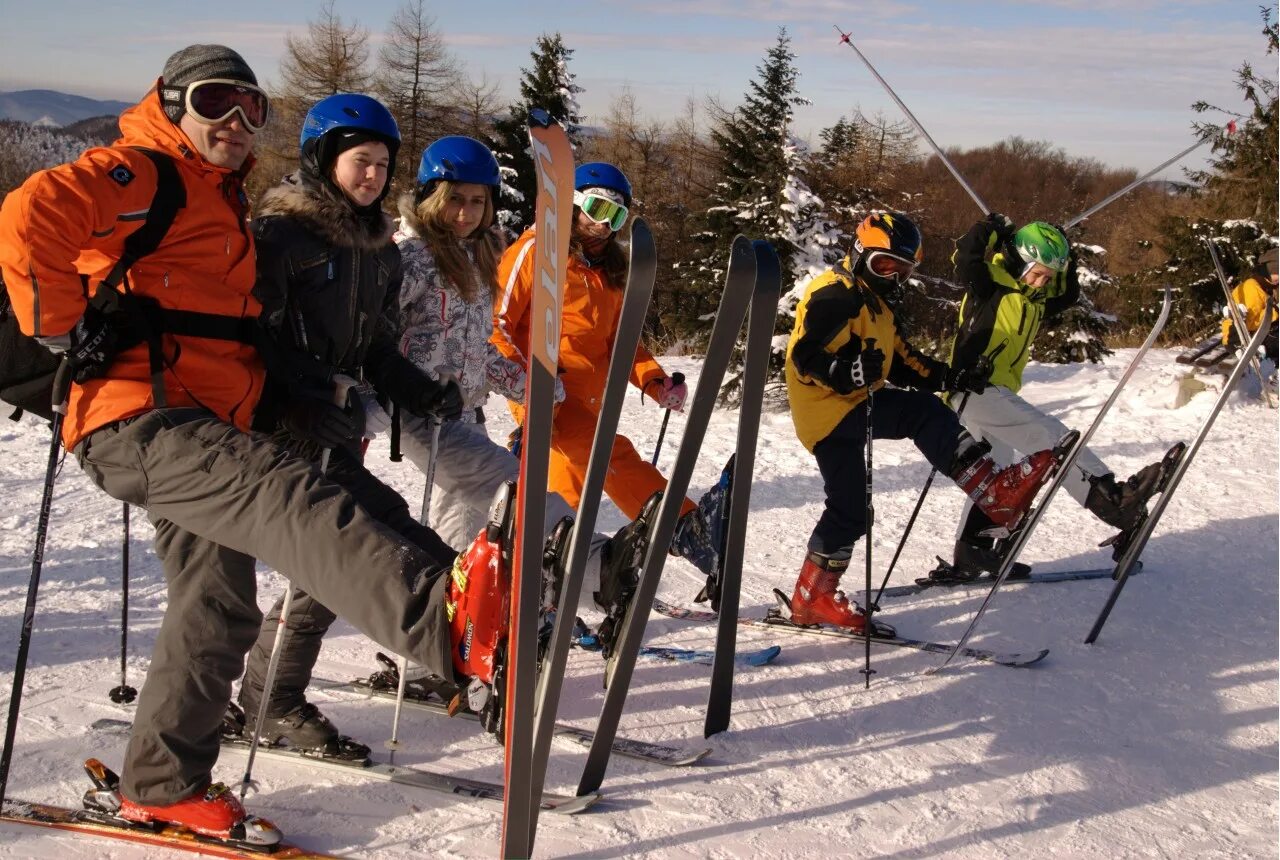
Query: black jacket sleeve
(971,260)
(913,369)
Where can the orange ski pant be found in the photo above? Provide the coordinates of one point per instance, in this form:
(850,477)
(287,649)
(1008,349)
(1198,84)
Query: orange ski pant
(630,481)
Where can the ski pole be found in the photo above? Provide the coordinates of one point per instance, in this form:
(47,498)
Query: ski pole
(61,384)
(341,385)
(867,671)
(676,379)
(844,38)
(403,663)
(1230,129)
(124,694)
(1237,321)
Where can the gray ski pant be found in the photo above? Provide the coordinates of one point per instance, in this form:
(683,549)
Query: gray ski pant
(219,498)
(309,619)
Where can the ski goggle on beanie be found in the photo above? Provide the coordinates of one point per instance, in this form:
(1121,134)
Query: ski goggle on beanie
(212,101)
(603,206)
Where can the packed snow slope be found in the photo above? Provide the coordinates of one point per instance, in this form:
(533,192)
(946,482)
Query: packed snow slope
(1158,741)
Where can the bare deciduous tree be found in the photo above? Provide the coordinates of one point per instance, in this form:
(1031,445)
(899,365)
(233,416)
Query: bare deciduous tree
(331,57)
(415,77)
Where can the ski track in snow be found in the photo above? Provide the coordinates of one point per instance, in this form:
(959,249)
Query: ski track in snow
(1158,741)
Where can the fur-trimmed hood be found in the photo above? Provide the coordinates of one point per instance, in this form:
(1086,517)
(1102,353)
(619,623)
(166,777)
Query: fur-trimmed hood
(327,214)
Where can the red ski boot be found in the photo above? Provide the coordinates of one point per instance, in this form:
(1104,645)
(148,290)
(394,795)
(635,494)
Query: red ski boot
(816,599)
(1006,494)
(214,813)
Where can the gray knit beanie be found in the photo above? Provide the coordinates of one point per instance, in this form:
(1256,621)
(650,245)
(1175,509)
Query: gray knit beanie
(199,63)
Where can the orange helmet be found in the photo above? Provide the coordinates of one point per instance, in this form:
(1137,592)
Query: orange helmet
(888,246)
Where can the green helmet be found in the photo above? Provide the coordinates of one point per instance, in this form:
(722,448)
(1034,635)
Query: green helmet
(1042,243)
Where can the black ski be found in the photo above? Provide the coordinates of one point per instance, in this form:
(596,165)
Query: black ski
(1142,534)
(739,284)
(755,370)
(398,774)
(774,620)
(641,275)
(1017,540)
(985,580)
(656,753)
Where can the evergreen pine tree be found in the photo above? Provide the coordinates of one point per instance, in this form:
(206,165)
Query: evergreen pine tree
(1239,192)
(747,198)
(548,85)
(1077,334)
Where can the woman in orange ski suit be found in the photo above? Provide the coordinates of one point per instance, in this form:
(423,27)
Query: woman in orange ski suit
(592,303)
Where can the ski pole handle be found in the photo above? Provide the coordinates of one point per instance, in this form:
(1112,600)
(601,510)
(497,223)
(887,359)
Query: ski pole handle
(341,386)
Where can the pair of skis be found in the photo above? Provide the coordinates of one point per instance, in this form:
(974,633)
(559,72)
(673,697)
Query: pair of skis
(744,289)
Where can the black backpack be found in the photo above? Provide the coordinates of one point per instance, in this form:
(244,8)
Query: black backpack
(26,366)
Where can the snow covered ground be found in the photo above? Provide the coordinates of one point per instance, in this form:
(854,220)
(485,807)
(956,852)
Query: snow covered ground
(1158,741)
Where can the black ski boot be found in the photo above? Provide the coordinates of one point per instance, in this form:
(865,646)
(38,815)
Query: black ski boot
(419,684)
(1121,505)
(555,559)
(1124,506)
(304,730)
(621,561)
(971,560)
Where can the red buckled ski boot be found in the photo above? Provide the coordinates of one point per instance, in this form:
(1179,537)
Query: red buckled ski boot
(1004,495)
(214,814)
(816,599)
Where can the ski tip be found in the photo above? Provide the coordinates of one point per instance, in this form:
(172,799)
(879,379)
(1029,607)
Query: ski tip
(765,655)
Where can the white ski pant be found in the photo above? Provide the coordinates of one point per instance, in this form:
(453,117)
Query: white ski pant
(470,468)
(1015,428)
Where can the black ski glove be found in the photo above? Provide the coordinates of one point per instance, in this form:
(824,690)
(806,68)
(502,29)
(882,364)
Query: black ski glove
(443,400)
(1002,226)
(101,333)
(852,370)
(311,419)
(974,379)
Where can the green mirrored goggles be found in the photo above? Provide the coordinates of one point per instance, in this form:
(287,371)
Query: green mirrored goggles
(602,210)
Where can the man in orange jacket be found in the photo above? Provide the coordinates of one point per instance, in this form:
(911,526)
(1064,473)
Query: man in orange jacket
(160,419)
(597,275)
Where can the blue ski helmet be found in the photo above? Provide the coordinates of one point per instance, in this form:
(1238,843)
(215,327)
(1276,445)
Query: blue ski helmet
(598,174)
(335,115)
(458,159)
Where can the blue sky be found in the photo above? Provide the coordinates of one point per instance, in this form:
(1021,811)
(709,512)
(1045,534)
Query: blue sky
(1109,80)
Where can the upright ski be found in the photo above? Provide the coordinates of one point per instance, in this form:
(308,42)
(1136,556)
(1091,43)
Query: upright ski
(1139,540)
(760,320)
(1028,525)
(740,281)
(553,160)
(641,275)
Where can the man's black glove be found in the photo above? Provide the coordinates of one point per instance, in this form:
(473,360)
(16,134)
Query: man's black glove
(974,379)
(851,370)
(99,335)
(312,419)
(443,399)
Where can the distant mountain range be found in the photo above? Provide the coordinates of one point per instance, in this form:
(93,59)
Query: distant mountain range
(55,109)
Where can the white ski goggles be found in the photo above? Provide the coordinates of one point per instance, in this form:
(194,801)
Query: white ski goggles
(212,101)
(601,209)
(890,266)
